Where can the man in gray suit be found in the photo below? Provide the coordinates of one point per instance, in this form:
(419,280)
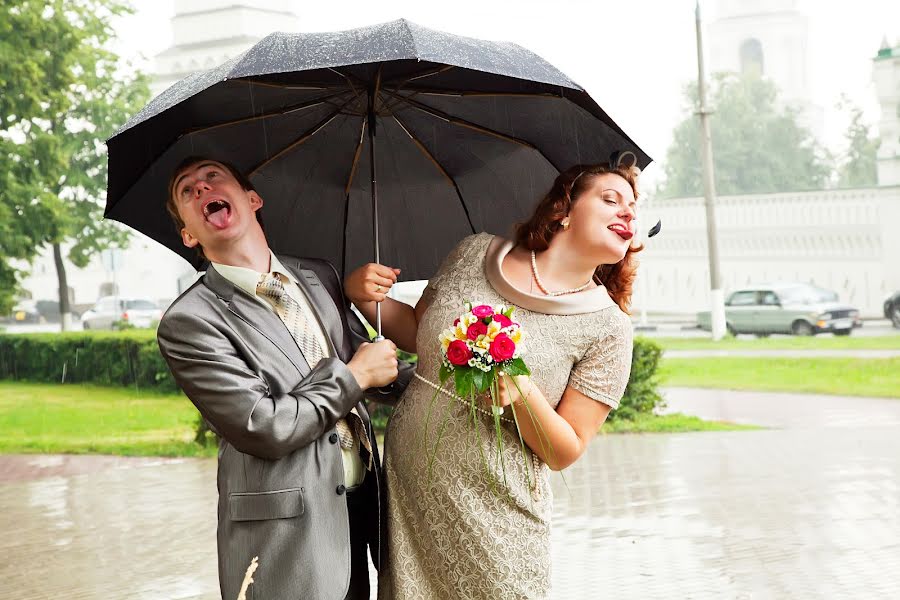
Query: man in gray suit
(268,351)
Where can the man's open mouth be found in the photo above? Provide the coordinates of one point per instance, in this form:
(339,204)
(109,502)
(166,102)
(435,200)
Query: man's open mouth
(217,212)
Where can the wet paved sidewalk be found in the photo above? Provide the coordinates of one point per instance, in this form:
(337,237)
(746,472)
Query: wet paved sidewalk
(809,510)
(783,410)
(782,353)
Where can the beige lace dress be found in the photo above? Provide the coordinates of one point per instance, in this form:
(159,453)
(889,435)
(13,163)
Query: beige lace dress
(451,536)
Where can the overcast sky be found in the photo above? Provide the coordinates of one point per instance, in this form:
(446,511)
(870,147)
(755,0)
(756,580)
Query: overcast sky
(632,57)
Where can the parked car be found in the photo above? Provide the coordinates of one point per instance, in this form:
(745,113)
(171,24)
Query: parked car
(892,309)
(112,313)
(49,310)
(25,311)
(797,308)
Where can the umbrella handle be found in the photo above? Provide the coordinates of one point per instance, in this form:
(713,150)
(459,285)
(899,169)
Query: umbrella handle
(379,337)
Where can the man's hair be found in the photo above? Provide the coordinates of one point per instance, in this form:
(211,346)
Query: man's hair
(172,207)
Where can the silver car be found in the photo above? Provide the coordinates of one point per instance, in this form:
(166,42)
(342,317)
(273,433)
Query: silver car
(111,312)
(797,308)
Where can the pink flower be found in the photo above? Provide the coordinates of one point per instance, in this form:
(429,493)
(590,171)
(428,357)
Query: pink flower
(475,329)
(503,320)
(502,348)
(482,310)
(458,353)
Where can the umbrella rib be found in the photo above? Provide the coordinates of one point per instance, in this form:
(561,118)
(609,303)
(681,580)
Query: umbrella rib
(475,93)
(349,81)
(306,135)
(422,75)
(438,114)
(284,111)
(421,146)
(362,134)
(283,86)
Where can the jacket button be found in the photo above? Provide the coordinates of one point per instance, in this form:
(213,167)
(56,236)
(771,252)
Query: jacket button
(333,438)
(341,489)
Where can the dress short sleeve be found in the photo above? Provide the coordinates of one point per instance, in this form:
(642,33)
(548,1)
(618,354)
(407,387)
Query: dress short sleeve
(604,370)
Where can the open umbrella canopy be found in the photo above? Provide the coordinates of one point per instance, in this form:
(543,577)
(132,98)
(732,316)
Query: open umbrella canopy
(470,134)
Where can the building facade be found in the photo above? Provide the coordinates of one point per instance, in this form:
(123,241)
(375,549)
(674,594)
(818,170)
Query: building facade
(771,38)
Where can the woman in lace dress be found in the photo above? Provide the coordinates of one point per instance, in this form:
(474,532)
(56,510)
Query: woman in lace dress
(569,274)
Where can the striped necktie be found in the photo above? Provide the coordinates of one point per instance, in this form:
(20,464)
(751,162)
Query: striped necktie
(301,325)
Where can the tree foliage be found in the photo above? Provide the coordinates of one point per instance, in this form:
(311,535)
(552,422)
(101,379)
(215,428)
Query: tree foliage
(859,166)
(65,92)
(759,145)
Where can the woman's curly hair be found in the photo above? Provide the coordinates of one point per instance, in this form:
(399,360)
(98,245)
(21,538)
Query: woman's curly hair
(546,221)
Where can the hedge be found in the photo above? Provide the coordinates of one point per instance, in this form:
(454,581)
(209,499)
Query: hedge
(131,358)
(123,358)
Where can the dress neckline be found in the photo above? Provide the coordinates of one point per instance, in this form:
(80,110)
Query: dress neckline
(587,301)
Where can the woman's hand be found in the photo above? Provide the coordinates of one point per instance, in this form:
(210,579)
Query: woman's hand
(370,283)
(508,391)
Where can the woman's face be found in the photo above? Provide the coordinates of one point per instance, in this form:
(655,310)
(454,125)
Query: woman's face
(601,221)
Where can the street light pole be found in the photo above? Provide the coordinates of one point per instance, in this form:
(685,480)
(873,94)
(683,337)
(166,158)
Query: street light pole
(717,295)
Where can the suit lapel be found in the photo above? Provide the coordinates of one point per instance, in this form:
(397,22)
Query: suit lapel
(323,306)
(264,321)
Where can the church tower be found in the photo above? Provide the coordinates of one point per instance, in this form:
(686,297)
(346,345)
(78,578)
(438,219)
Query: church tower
(769,37)
(206,33)
(886,75)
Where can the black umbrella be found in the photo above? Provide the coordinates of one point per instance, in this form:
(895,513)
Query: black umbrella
(470,133)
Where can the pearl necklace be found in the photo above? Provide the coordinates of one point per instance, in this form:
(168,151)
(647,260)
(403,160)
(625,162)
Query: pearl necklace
(540,284)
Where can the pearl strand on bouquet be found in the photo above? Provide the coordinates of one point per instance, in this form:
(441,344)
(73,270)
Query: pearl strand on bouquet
(460,400)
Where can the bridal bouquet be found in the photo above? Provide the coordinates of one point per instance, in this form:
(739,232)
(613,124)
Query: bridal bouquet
(483,345)
(480,345)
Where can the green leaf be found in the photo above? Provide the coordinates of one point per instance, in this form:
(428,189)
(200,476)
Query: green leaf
(478,377)
(515,367)
(483,380)
(464,381)
(509,311)
(445,373)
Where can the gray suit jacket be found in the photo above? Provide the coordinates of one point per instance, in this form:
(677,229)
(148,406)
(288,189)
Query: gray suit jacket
(280,475)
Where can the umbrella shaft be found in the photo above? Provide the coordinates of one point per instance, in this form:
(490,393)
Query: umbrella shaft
(371,118)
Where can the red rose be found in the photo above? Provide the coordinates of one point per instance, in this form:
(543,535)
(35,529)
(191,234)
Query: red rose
(502,348)
(456,322)
(475,329)
(458,353)
(482,310)
(503,320)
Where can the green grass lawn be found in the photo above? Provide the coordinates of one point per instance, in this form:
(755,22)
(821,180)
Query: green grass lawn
(674,423)
(83,419)
(889,342)
(838,376)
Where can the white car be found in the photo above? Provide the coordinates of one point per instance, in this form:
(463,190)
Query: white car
(797,308)
(111,312)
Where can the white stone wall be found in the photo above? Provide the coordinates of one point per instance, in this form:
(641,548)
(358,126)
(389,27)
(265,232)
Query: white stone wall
(844,240)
